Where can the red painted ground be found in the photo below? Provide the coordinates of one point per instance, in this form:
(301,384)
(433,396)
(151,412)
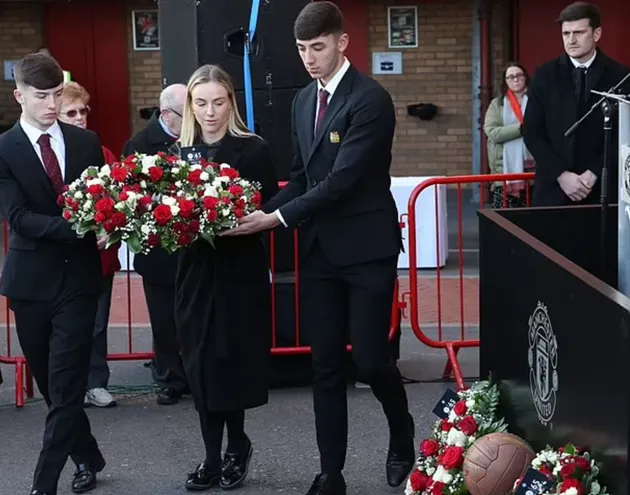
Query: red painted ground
(450,309)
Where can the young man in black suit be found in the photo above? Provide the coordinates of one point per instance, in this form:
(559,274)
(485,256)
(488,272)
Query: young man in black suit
(339,194)
(568,169)
(158,268)
(51,277)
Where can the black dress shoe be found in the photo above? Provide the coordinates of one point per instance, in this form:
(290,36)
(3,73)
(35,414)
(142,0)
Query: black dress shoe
(84,478)
(37,492)
(327,484)
(203,478)
(168,396)
(401,457)
(235,467)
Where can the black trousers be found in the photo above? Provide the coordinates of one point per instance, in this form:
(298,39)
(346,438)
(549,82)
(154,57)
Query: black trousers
(355,301)
(56,338)
(99,369)
(168,368)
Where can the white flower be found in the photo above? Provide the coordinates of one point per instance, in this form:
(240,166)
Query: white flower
(196,166)
(204,176)
(570,491)
(470,403)
(168,200)
(408,489)
(224,165)
(211,191)
(105,171)
(178,184)
(442,475)
(143,184)
(452,416)
(595,488)
(175,170)
(174,210)
(87,205)
(147,163)
(78,195)
(145,229)
(456,437)
(226,213)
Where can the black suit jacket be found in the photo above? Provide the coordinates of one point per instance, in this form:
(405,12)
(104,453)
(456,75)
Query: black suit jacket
(552,108)
(339,190)
(157,267)
(45,255)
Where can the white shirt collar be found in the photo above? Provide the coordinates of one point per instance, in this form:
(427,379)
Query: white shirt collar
(336,79)
(586,64)
(33,133)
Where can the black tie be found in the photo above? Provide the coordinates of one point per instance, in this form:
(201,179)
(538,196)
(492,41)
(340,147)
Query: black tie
(581,85)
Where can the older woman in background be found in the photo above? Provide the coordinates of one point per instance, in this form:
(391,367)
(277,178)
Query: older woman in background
(74,110)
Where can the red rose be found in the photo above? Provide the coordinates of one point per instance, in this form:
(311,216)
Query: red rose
(100,217)
(61,200)
(236,190)
(438,488)
(153,240)
(95,189)
(572,483)
(145,201)
(229,172)
(460,408)
(180,227)
(156,174)
(172,159)
(129,160)
(238,213)
(194,226)
(162,215)
(119,174)
(67,214)
(186,208)
(109,228)
(419,481)
(194,177)
(212,215)
(137,188)
(240,204)
(446,425)
(184,239)
(161,154)
(214,164)
(210,202)
(429,447)
(124,196)
(452,458)
(75,206)
(106,205)
(119,220)
(257,198)
(468,425)
(583,464)
(226,200)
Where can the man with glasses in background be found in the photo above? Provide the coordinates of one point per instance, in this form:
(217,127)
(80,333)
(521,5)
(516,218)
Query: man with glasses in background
(158,267)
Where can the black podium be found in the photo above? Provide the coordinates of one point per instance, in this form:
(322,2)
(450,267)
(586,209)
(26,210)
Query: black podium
(554,333)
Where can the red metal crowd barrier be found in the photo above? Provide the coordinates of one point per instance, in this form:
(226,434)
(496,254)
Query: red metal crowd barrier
(451,346)
(24,381)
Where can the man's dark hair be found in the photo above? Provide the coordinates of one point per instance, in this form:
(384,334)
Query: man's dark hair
(39,71)
(581,10)
(318,19)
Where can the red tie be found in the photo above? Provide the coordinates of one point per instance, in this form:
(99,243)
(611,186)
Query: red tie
(51,163)
(323,104)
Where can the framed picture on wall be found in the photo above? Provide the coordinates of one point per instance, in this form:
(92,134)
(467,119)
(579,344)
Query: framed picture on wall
(402,26)
(146,31)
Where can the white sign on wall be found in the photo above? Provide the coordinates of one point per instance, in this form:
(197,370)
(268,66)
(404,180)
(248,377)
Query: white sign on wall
(387,63)
(8,69)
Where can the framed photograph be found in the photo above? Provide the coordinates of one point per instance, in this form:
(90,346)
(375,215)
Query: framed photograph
(402,26)
(146,31)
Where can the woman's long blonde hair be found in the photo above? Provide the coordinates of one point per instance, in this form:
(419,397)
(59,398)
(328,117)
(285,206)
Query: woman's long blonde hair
(191,131)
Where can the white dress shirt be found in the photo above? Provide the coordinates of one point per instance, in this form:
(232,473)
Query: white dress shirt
(586,64)
(331,87)
(56,142)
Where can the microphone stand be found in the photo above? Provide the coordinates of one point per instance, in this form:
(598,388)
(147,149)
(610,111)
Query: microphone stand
(606,103)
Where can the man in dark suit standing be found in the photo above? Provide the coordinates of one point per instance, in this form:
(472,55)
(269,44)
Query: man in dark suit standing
(158,268)
(51,277)
(339,193)
(568,169)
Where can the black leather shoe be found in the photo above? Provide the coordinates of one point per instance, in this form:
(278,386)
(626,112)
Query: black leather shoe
(168,396)
(235,467)
(401,457)
(326,484)
(84,478)
(203,478)
(37,492)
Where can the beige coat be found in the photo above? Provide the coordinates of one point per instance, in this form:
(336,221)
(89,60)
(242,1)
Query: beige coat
(498,134)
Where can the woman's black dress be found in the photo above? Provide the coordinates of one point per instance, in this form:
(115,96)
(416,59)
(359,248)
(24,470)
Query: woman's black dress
(223,301)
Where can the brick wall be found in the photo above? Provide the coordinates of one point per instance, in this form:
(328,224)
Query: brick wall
(145,74)
(20,33)
(439,71)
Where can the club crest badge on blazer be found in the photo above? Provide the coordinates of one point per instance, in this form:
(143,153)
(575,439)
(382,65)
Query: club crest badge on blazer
(334,137)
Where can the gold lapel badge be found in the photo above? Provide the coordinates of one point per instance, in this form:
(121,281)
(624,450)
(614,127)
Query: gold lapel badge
(334,137)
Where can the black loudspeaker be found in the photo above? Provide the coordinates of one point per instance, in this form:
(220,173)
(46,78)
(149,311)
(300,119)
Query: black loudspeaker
(222,26)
